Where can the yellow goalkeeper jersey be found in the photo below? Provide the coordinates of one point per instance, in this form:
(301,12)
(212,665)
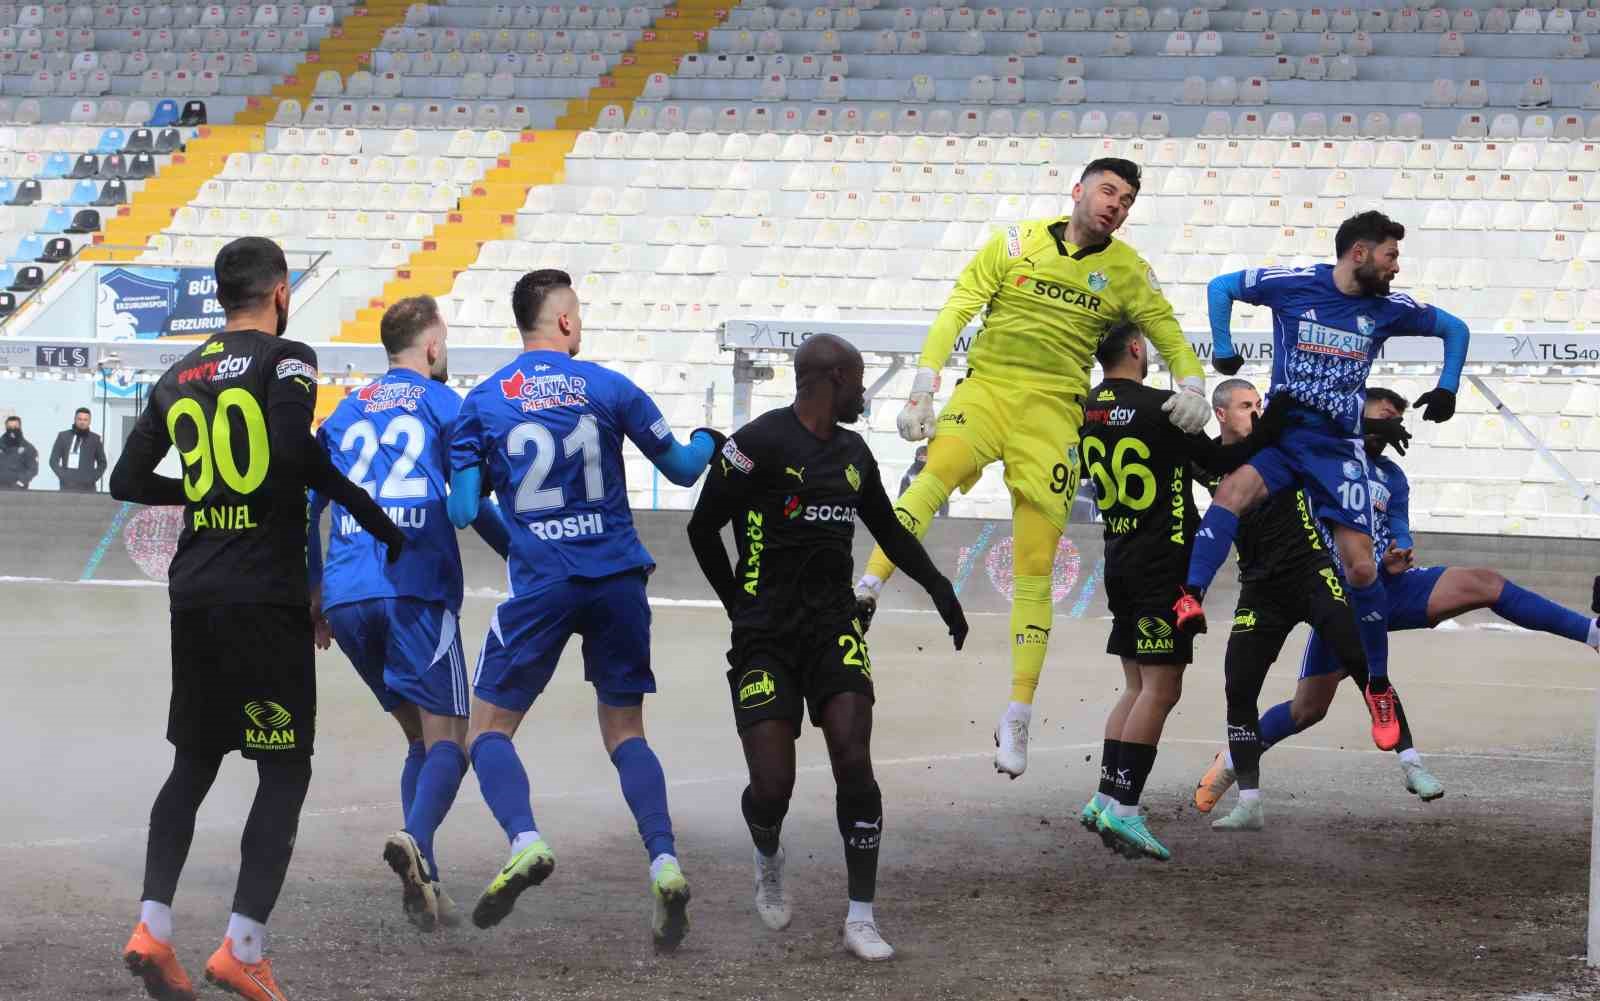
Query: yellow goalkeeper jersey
(1049,304)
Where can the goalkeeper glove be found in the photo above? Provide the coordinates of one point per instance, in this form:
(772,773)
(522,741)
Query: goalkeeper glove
(1188,408)
(916,417)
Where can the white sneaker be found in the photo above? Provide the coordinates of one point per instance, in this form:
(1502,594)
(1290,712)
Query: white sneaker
(771,902)
(862,939)
(1246,815)
(1011,745)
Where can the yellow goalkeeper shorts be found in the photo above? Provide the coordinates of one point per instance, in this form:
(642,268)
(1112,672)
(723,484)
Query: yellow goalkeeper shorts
(1034,433)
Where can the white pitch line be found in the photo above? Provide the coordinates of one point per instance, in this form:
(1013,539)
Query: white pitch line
(732,778)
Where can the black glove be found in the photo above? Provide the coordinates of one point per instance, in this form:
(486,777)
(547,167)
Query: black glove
(944,599)
(1390,430)
(1227,364)
(1439,406)
(717,437)
(1266,428)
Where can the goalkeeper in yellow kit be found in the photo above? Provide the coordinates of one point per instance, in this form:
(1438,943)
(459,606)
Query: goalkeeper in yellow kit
(1052,287)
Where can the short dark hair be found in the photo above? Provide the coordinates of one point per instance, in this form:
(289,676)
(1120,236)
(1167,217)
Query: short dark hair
(80,410)
(1125,169)
(1370,226)
(1113,346)
(405,321)
(1377,394)
(528,297)
(246,271)
(1222,393)
(13,417)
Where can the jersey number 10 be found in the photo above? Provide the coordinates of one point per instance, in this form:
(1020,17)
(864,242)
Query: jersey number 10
(532,494)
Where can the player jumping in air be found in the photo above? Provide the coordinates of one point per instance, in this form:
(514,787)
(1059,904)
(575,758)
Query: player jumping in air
(793,482)
(398,622)
(238,409)
(1417,598)
(1329,321)
(545,432)
(1051,288)
(1140,466)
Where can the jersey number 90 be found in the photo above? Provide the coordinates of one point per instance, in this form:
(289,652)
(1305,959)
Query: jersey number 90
(212,452)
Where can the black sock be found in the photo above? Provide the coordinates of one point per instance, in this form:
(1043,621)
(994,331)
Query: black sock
(172,822)
(765,821)
(1405,728)
(268,841)
(1109,755)
(861,825)
(1134,764)
(1244,746)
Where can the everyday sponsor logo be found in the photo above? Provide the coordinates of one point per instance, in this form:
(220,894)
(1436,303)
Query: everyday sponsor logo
(756,689)
(545,392)
(218,370)
(1110,416)
(269,727)
(743,463)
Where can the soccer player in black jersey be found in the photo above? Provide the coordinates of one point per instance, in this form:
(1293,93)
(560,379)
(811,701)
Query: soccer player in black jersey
(1141,467)
(238,408)
(793,482)
(1287,576)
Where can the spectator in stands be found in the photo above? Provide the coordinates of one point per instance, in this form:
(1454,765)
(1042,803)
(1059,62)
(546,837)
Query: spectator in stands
(917,463)
(79,457)
(19,460)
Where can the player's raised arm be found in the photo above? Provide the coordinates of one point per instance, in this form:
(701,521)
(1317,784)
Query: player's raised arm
(978,282)
(1439,403)
(1149,309)
(1221,293)
(907,552)
(724,493)
(135,478)
(643,423)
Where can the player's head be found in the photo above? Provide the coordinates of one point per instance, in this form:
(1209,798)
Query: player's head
(81,418)
(1104,195)
(829,369)
(1382,404)
(1237,404)
(1369,245)
(546,308)
(1123,353)
(414,334)
(13,426)
(253,279)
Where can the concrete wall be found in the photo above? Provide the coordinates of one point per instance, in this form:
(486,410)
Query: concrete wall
(73,537)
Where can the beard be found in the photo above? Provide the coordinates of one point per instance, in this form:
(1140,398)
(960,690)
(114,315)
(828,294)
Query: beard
(1370,281)
(283,323)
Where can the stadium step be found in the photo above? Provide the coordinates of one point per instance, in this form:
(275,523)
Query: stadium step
(346,48)
(679,30)
(151,209)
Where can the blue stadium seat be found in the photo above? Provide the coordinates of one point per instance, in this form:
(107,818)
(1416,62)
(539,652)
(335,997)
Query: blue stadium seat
(112,141)
(166,113)
(56,221)
(28,248)
(83,193)
(56,165)
(8,190)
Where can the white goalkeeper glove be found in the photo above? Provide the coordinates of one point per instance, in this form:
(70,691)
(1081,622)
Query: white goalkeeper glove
(916,417)
(1187,407)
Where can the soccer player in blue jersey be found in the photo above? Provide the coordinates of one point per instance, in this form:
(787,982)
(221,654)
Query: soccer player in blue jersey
(1417,598)
(1329,322)
(397,622)
(545,433)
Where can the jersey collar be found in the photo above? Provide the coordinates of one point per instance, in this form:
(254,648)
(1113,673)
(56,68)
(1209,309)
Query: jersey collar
(1058,232)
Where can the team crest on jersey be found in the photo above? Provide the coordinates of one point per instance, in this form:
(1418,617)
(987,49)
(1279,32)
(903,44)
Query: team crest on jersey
(1353,470)
(1365,325)
(852,477)
(377,397)
(544,392)
(1098,281)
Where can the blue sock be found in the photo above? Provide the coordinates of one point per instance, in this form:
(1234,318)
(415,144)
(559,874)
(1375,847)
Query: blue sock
(1277,724)
(504,783)
(645,788)
(1534,611)
(441,776)
(1371,607)
(1213,540)
(408,775)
